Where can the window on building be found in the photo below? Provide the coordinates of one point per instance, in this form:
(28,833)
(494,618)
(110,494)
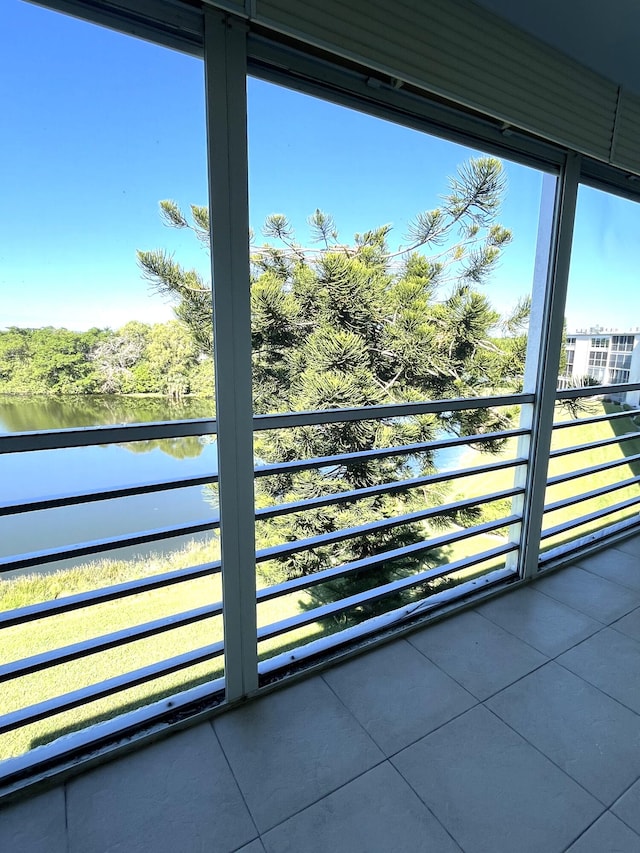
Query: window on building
(571,341)
(620,361)
(618,377)
(622,343)
(597,359)
(570,361)
(597,365)
(599,343)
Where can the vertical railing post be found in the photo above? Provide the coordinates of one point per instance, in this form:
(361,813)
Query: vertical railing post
(225,52)
(545,346)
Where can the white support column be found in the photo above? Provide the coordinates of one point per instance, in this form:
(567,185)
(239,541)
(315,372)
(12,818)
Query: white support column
(545,345)
(225,51)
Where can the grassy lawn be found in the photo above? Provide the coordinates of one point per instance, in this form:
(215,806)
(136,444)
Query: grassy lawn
(57,631)
(571,436)
(63,629)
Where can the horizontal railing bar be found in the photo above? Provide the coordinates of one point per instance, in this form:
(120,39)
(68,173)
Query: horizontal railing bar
(592,469)
(585,544)
(587,496)
(383,488)
(595,419)
(74,498)
(383,452)
(44,609)
(282,420)
(76,744)
(371,562)
(287,548)
(377,624)
(276,629)
(98,546)
(77,698)
(585,519)
(593,445)
(596,390)
(57,439)
(75,651)
(35,558)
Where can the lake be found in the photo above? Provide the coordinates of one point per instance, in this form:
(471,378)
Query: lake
(49,472)
(46,473)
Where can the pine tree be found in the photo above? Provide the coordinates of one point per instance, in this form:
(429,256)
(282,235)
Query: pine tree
(339,324)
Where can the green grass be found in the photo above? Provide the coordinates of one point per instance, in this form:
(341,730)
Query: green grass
(572,436)
(63,629)
(66,628)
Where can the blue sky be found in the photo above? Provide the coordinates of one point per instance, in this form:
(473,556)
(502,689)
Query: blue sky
(98,127)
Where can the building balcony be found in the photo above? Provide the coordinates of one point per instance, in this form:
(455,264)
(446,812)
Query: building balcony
(512,725)
(93,670)
(347,641)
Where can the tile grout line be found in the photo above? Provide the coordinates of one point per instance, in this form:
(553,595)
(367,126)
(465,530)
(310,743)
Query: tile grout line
(233,776)
(548,758)
(480,701)
(597,687)
(431,731)
(621,819)
(350,712)
(448,675)
(600,625)
(426,805)
(324,796)
(65,795)
(635,606)
(606,578)
(615,816)
(584,831)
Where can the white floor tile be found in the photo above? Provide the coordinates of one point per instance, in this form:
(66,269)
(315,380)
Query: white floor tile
(34,825)
(177,794)
(589,735)
(293,747)
(541,621)
(376,813)
(397,694)
(618,566)
(610,661)
(607,835)
(493,791)
(628,807)
(479,654)
(599,598)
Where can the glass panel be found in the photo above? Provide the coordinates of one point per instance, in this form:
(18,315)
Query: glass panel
(603,348)
(99,128)
(387,267)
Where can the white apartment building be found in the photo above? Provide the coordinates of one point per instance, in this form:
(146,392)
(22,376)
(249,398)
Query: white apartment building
(610,356)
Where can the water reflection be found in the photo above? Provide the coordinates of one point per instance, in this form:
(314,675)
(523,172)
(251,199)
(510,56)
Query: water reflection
(47,473)
(37,412)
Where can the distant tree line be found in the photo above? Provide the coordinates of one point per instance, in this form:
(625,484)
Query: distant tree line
(136,359)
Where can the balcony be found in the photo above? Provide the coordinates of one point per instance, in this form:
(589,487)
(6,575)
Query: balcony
(510,726)
(294,684)
(86,668)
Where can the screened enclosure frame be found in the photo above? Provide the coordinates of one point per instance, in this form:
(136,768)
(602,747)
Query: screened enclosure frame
(232,49)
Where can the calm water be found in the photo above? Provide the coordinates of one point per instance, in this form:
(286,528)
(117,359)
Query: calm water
(53,472)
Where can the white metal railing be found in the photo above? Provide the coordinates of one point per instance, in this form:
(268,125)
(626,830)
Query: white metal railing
(389,590)
(583,528)
(42,610)
(225,49)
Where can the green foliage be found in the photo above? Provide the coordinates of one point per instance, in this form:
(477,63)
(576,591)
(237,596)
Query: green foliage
(353,324)
(136,359)
(47,360)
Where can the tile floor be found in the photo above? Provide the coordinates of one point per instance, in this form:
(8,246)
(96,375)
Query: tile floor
(511,728)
